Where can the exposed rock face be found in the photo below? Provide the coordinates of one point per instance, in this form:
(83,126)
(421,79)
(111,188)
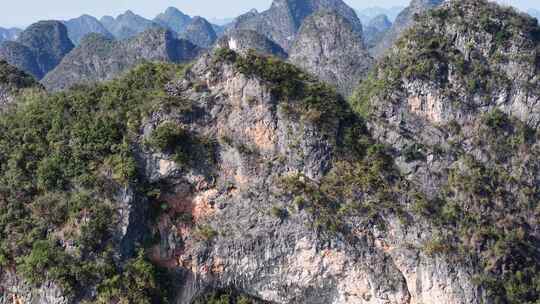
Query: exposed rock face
(127,24)
(84,25)
(404,21)
(262,245)
(15,291)
(200,32)
(242,41)
(9,34)
(455,99)
(99,58)
(328,46)
(20,56)
(49,41)
(39,48)
(375,30)
(266,182)
(11,81)
(281,22)
(173,19)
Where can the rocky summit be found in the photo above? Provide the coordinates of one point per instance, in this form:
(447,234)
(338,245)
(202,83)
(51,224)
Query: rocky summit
(127,25)
(328,46)
(99,58)
(39,48)
(249,173)
(84,25)
(403,21)
(242,41)
(281,22)
(200,32)
(457,104)
(173,19)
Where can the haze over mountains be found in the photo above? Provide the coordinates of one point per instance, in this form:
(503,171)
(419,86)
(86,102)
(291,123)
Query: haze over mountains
(294,155)
(279,24)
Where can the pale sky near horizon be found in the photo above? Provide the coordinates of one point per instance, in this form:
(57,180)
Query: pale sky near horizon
(24,12)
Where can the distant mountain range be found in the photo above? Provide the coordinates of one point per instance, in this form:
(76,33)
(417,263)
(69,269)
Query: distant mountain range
(100,58)
(41,48)
(283,19)
(369,13)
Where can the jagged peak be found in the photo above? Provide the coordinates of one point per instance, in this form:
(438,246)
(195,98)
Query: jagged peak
(474,50)
(171,10)
(380,21)
(129,13)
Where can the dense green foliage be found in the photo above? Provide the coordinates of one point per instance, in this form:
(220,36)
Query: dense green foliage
(186,148)
(14,78)
(63,158)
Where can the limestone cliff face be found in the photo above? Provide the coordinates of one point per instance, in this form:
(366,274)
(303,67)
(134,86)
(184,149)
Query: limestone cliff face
(173,19)
(404,21)
(287,199)
(242,41)
(84,25)
(376,29)
(281,22)
(328,46)
(251,232)
(39,48)
(266,182)
(99,58)
(457,102)
(200,32)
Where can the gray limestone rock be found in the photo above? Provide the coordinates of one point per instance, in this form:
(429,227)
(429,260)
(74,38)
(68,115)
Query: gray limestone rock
(281,22)
(328,47)
(98,58)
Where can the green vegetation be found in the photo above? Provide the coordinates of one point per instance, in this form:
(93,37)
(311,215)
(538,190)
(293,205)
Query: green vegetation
(362,184)
(503,136)
(140,282)
(485,211)
(379,82)
(205,233)
(63,157)
(14,78)
(185,147)
(279,213)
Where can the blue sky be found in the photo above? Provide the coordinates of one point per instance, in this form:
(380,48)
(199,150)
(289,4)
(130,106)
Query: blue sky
(24,12)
